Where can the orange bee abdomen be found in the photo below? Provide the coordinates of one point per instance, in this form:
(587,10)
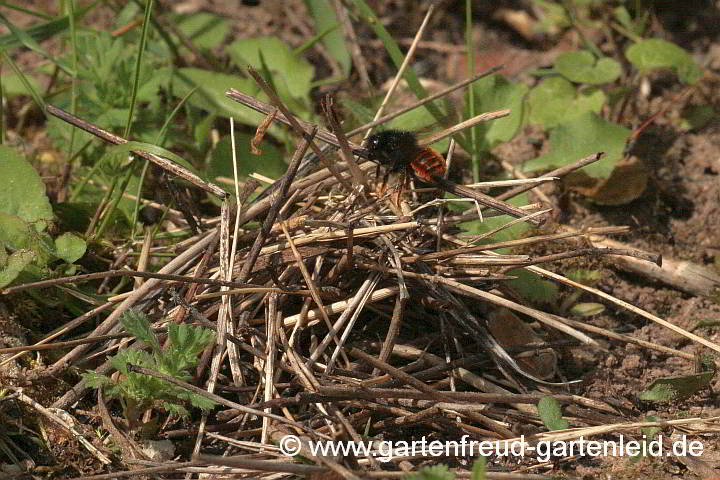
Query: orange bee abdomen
(428,164)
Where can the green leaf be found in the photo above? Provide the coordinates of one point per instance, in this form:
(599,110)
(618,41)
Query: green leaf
(651,432)
(203,403)
(551,415)
(553,17)
(211,96)
(532,287)
(133,357)
(291,73)
(660,392)
(479,469)
(658,53)
(270,163)
(555,100)
(325,18)
(587,309)
(205,30)
(70,247)
(633,28)
(585,135)
(43,31)
(13,86)
(12,265)
(495,92)
(585,276)
(30,43)
(435,472)
(19,234)
(477,227)
(668,389)
(175,409)
(23,192)
(126,148)
(581,66)
(189,339)
(96,380)
(138,324)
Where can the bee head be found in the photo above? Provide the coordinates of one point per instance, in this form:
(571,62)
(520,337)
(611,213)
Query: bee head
(392,147)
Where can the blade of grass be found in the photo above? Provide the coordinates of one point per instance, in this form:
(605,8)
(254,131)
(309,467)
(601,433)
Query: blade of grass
(570,12)
(317,38)
(474,139)
(327,23)
(2,110)
(397,58)
(43,31)
(128,126)
(74,57)
(159,141)
(35,95)
(27,11)
(29,42)
(138,64)
(110,210)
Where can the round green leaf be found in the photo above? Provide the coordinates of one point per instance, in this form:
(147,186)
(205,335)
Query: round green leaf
(23,192)
(658,53)
(555,100)
(586,134)
(582,67)
(70,247)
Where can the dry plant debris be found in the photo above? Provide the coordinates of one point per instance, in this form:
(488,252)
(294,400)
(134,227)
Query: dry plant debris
(349,313)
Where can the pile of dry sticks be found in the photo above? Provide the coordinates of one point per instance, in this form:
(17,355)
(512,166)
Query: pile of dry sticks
(348,313)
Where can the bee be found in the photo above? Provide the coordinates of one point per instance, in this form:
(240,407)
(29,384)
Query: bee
(398,151)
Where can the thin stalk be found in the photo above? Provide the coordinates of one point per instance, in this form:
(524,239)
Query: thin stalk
(74,59)
(474,157)
(35,95)
(158,141)
(2,110)
(128,126)
(138,64)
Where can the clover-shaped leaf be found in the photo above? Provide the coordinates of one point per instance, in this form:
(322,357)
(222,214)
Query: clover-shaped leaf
(582,67)
(658,53)
(555,100)
(585,135)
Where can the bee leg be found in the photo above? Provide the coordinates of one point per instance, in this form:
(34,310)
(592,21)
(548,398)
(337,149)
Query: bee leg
(383,185)
(399,190)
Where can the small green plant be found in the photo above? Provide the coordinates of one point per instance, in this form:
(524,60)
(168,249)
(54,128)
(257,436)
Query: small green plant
(137,392)
(677,387)
(25,219)
(551,414)
(442,472)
